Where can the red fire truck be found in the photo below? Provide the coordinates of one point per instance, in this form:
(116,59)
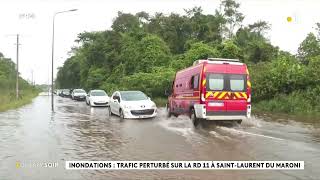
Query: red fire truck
(212,89)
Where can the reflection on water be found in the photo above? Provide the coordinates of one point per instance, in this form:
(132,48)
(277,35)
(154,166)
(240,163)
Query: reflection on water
(78,132)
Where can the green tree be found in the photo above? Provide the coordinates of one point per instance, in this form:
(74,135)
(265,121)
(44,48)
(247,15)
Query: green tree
(199,51)
(259,27)
(174,29)
(314,71)
(153,52)
(255,47)
(8,78)
(205,28)
(230,11)
(68,76)
(142,55)
(310,47)
(95,77)
(230,50)
(126,23)
(129,53)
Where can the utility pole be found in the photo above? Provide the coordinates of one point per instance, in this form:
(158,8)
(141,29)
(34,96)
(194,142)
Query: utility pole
(17,81)
(32,77)
(52,58)
(52,55)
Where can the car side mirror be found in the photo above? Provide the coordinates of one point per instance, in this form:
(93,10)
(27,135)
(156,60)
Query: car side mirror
(192,83)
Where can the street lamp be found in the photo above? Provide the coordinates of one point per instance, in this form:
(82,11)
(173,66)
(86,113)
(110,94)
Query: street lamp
(52,55)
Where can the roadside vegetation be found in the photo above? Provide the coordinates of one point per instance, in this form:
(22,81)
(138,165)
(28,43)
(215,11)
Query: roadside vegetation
(143,52)
(7,87)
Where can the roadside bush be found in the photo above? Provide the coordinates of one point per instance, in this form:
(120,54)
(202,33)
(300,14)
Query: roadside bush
(280,76)
(153,84)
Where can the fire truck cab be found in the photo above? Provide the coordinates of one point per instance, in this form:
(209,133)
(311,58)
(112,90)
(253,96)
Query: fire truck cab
(212,89)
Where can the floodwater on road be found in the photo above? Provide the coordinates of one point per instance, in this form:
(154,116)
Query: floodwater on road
(33,134)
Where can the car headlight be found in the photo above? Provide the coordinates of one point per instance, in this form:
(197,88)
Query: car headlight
(153,105)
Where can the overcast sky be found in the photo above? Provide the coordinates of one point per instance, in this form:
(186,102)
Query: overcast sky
(96,15)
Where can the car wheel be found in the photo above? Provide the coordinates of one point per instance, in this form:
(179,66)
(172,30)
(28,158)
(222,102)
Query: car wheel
(168,111)
(110,113)
(121,114)
(194,118)
(239,121)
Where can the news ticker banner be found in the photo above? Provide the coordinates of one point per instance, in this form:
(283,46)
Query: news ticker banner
(185,165)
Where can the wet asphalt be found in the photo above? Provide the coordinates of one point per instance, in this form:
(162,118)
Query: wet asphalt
(33,134)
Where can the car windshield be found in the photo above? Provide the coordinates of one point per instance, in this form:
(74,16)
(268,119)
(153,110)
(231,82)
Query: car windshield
(133,96)
(98,93)
(79,91)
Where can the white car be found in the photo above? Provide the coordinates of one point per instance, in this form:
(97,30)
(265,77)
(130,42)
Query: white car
(78,94)
(97,98)
(131,105)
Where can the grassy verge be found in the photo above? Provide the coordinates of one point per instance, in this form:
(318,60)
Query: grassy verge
(160,101)
(293,104)
(8,100)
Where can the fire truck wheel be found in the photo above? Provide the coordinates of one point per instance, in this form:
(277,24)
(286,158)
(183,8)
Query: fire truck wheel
(194,118)
(168,111)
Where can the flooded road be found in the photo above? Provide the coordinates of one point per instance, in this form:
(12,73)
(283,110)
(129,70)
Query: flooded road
(78,132)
